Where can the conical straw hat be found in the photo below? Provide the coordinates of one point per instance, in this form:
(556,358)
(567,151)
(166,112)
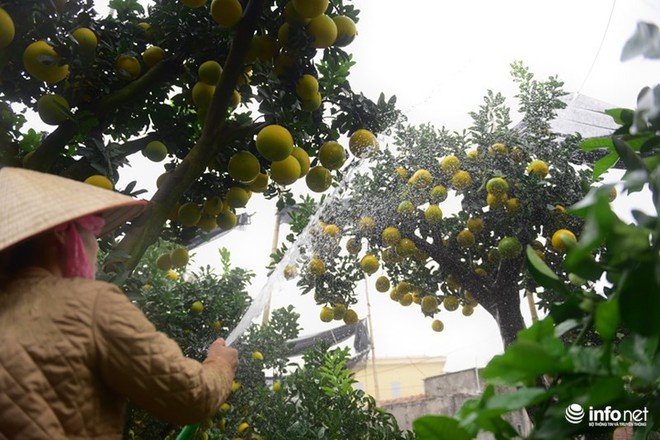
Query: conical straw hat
(32,202)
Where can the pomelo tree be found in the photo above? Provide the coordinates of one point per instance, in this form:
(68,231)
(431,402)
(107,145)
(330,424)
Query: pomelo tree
(234,97)
(439,220)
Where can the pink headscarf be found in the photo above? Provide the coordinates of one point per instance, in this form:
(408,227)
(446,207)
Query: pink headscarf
(76,262)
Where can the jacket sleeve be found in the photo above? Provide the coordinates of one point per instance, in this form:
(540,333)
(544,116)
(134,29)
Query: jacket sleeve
(148,368)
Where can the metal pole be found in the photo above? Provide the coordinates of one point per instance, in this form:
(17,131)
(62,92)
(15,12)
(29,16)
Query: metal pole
(532,306)
(371,341)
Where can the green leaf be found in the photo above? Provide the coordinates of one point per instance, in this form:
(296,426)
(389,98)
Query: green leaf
(639,300)
(605,163)
(632,161)
(622,116)
(521,398)
(522,362)
(607,318)
(542,273)
(439,428)
(597,143)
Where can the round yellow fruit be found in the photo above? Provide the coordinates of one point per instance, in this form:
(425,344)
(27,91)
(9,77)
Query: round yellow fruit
(226,12)
(53,109)
(437,325)
(346,30)
(42,62)
(353,245)
(465,238)
(197,307)
(209,72)
(450,303)
(338,311)
(179,257)
(274,142)
(127,67)
(509,247)
(310,8)
(498,149)
(207,222)
(538,168)
(332,155)
(332,230)
(237,197)
(391,236)
(406,299)
(496,201)
(259,184)
(497,186)
(366,224)
(316,266)
(369,264)
(563,238)
(155,151)
(257,356)
(172,275)
(475,225)
(285,172)
(513,205)
(164,262)
(202,94)
(406,207)
(318,178)
(303,159)
(87,41)
(450,164)
(350,317)
(362,143)
(99,180)
(226,220)
(433,214)
(467,310)
(382,284)
(429,304)
(189,214)
(307,87)
(461,181)
(213,206)
(193,3)
(323,31)
(7,29)
(421,179)
(406,247)
(327,314)
(277,386)
(401,173)
(309,105)
(235,99)
(243,166)
(438,194)
(153,55)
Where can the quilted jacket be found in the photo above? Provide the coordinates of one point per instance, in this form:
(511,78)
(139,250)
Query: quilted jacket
(72,352)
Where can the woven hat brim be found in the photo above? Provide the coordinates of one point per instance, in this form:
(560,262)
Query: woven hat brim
(32,202)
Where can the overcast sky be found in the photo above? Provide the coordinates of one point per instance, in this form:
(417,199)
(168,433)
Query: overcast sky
(439,58)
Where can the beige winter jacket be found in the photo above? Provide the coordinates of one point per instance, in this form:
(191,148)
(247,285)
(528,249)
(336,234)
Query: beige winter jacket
(72,352)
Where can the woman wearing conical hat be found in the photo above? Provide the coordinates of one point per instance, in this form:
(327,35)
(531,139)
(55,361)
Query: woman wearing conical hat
(73,350)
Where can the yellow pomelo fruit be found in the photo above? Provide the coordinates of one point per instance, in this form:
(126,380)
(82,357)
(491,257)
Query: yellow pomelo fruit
(42,62)
(438,194)
(391,236)
(350,317)
(473,154)
(146,30)
(226,12)
(100,180)
(226,220)
(283,34)
(290,272)
(467,310)
(197,307)
(366,224)
(194,3)
(354,245)
(209,72)
(406,207)
(257,356)
(475,225)
(318,178)
(237,197)
(265,47)
(362,143)
(429,304)
(202,94)
(7,29)
(509,247)
(213,206)
(307,87)
(164,262)
(292,16)
(513,205)
(53,109)
(382,283)
(327,314)
(401,173)
(284,64)
(155,151)
(406,247)
(179,257)
(235,99)
(421,179)
(172,275)
(465,238)
(87,41)
(497,186)
(338,311)
(562,238)
(538,168)
(274,142)
(433,214)
(461,181)
(332,155)
(316,267)
(243,166)
(259,184)
(437,325)
(496,201)
(303,159)
(369,264)
(207,222)
(189,214)
(498,149)
(323,30)
(153,55)
(450,164)
(346,30)
(285,172)
(452,283)
(127,67)
(450,303)
(310,8)
(332,230)
(310,105)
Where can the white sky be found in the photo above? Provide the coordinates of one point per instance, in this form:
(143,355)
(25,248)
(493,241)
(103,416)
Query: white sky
(439,58)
